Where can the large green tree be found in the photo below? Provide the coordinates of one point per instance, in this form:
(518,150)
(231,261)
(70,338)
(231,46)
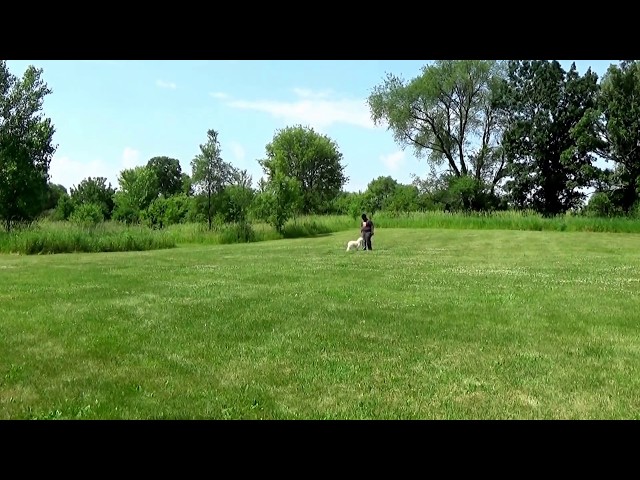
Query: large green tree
(612,131)
(26,146)
(378,193)
(210,173)
(138,189)
(543,104)
(446,114)
(168,174)
(311,158)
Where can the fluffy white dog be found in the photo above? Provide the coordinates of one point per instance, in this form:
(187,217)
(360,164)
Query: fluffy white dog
(359,243)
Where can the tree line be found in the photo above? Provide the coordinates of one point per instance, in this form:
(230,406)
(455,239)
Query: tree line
(495,135)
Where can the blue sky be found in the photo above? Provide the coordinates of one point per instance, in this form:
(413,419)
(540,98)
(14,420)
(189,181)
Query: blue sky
(116,114)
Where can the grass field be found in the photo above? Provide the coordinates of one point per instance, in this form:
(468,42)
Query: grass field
(433,324)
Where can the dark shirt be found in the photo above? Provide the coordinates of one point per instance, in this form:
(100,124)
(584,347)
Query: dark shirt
(368,227)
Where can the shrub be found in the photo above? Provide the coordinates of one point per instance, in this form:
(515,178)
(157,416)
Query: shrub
(87,214)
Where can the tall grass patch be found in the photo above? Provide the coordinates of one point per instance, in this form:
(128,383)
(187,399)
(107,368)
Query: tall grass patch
(507,220)
(66,237)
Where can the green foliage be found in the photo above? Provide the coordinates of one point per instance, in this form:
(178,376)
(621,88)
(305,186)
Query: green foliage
(237,202)
(544,105)
(349,203)
(177,209)
(498,220)
(87,214)
(404,199)
(125,210)
(210,173)
(94,191)
(305,229)
(242,179)
(312,159)
(168,174)
(527,122)
(197,209)
(198,233)
(70,237)
(378,193)
(187,184)
(601,205)
(612,131)
(237,232)
(139,185)
(447,115)
(26,146)
(166,211)
(467,192)
(63,209)
(156,213)
(279,202)
(54,194)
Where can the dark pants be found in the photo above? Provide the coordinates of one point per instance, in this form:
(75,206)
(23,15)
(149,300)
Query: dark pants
(367,240)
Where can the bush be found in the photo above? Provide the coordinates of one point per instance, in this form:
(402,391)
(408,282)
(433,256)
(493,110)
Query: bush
(177,209)
(63,210)
(87,214)
(600,205)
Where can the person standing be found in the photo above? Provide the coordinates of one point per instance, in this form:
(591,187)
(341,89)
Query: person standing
(366,230)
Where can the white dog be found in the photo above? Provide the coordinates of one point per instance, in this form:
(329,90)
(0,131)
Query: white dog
(355,243)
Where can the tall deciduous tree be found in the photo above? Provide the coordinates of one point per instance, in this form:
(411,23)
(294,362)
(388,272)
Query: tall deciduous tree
(210,173)
(138,187)
(612,131)
(446,115)
(26,146)
(168,173)
(543,105)
(378,192)
(312,159)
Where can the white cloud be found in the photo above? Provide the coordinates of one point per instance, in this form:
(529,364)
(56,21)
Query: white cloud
(130,158)
(219,95)
(317,109)
(393,161)
(68,172)
(306,93)
(164,84)
(238,151)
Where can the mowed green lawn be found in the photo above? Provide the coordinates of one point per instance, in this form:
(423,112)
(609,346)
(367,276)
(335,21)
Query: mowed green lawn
(433,324)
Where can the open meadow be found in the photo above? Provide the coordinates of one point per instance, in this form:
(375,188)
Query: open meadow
(437,323)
